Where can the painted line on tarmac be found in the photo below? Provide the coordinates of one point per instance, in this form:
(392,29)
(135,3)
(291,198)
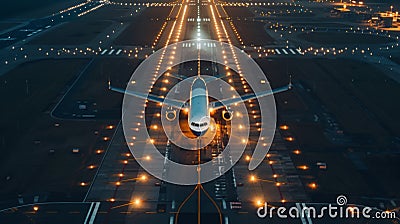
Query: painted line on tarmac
(303,220)
(308,214)
(102,161)
(88,214)
(69,89)
(94,213)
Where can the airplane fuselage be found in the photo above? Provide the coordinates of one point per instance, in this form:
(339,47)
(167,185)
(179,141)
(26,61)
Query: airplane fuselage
(199,114)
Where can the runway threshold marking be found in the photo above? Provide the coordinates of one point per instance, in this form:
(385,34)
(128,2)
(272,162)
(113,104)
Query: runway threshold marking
(91,215)
(118,52)
(291,50)
(308,215)
(103,52)
(277,51)
(284,51)
(94,213)
(88,214)
(112,51)
(303,220)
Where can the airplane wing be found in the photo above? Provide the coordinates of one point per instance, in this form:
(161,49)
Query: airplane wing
(170,102)
(229,101)
(212,78)
(177,76)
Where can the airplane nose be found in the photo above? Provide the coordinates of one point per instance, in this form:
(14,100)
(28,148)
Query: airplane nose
(199,133)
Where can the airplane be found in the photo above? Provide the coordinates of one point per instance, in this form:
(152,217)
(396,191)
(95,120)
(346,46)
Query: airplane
(199,107)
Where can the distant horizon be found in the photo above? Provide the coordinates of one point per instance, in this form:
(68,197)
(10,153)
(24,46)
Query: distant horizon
(17,8)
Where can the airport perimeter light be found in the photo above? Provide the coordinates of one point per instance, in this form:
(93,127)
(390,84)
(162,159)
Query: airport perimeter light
(141,178)
(254,179)
(313,186)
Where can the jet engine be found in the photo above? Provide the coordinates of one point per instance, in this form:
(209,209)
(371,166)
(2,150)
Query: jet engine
(227,115)
(170,115)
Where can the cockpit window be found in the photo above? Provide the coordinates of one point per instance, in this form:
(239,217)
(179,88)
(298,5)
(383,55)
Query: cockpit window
(198,124)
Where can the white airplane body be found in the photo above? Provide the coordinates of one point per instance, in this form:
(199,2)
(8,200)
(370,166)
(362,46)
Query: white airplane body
(199,106)
(199,113)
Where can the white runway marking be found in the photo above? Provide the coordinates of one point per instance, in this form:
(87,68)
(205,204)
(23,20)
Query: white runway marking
(303,220)
(88,214)
(94,213)
(308,214)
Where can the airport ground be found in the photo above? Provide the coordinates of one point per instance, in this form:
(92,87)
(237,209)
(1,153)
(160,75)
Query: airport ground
(342,112)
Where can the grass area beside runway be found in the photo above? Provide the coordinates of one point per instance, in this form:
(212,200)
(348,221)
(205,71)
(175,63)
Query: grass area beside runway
(396,59)
(373,88)
(284,11)
(23,95)
(7,25)
(115,13)
(253,33)
(144,28)
(385,166)
(277,73)
(313,25)
(238,12)
(37,156)
(92,88)
(73,33)
(341,176)
(361,99)
(359,110)
(28,7)
(344,38)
